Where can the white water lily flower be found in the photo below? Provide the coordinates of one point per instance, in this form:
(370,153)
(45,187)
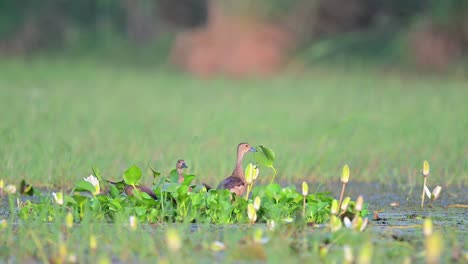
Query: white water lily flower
(427,191)
(10,188)
(436,193)
(58,197)
(347,222)
(95,182)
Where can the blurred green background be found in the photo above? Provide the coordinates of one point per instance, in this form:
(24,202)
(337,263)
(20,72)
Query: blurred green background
(377,84)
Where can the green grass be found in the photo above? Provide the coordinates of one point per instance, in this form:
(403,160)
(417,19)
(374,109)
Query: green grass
(60,117)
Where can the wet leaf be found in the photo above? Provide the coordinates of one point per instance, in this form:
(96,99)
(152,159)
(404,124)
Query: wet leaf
(132,175)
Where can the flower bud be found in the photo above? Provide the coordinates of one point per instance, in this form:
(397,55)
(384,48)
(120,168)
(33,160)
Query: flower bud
(426,168)
(305,188)
(345,174)
(251,213)
(257,203)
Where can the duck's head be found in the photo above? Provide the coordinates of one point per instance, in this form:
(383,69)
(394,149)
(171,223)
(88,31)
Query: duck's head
(181,164)
(243,148)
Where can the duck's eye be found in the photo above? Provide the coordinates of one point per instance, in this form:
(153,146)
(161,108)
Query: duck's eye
(246,145)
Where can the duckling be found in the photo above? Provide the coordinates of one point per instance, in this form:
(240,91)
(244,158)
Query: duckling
(180,166)
(236,182)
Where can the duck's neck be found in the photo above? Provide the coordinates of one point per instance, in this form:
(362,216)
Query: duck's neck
(181,175)
(239,171)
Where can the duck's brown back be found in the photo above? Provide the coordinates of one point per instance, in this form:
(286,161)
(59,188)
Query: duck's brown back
(234,184)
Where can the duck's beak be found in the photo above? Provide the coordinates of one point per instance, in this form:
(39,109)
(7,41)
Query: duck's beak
(184,165)
(252,149)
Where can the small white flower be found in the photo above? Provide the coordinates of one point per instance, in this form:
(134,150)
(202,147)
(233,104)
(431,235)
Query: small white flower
(347,222)
(133,222)
(427,191)
(58,198)
(95,182)
(436,193)
(11,189)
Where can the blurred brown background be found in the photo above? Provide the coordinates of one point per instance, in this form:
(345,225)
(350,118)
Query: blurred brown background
(240,37)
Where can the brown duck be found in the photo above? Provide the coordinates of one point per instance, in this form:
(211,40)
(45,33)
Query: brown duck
(180,166)
(236,182)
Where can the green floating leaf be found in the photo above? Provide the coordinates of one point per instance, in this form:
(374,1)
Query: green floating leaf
(120,185)
(83,185)
(170,187)
(264,156)
(188,179)
(114,191)
(174,176)
(132,175)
